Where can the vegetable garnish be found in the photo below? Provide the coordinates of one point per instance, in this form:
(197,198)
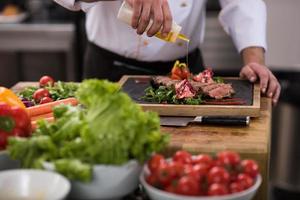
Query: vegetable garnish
(109,128)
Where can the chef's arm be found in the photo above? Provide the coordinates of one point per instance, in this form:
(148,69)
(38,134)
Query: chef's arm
(245,21)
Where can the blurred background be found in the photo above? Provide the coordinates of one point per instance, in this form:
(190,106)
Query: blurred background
(43,38)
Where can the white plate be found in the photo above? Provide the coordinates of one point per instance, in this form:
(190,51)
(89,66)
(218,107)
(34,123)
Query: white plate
(13,19)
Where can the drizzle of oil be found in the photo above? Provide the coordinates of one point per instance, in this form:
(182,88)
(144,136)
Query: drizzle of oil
(187,41)
(187,53)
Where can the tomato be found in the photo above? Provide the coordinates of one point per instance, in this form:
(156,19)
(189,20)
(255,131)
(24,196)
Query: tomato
(235,187)
(218,175)
(40,93)
(177,167)
(22,119)
(203,158)
(46,81)
(217,189)
(188,186)
(152,180)
(155,161)
(229,158)
(165,174)
(198,171)
(245,180)
(183,157)
(3,140)
(250,167)
(46,100)
(170,188)
(201,169)
(5,109)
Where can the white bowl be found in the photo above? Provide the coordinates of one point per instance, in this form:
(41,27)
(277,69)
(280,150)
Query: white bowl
(109,182)
(33,184)
(156,194)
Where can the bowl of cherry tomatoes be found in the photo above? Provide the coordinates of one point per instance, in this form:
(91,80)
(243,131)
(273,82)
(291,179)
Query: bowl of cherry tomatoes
(201,177)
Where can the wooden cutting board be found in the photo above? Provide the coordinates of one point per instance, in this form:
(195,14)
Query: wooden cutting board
(134,86)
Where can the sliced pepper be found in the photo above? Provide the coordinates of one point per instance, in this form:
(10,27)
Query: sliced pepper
(10,98)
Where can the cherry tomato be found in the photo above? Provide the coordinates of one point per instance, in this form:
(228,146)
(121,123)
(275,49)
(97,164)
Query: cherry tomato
(188,186)
(3,140)
(178,167)
(46,100)
(217,189)
(19,132)
(22,120)
(203,158)
(46,81)
(165,174)
(39,94)
(5,109)
(250,167)
(245,180)
(229,158)
(218,175)
(183,157)
(201,169)
(235,187)
(155,161)
(152,180)
(170,188)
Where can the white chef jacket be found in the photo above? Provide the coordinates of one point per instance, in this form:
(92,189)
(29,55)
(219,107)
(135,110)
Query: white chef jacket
(244,20)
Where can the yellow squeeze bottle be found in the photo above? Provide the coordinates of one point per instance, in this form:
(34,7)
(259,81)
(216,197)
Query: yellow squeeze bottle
(125,14)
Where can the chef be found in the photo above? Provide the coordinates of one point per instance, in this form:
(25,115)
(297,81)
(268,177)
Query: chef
(115,49)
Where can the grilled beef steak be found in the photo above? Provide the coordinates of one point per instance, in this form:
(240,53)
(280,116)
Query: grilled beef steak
(211,89)
(184,89)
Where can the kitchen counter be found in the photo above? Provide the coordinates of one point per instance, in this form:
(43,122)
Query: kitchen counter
(251,142)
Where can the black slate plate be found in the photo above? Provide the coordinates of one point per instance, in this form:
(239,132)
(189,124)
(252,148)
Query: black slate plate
(135,87)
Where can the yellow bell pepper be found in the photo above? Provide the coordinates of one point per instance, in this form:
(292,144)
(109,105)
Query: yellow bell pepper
(10,98)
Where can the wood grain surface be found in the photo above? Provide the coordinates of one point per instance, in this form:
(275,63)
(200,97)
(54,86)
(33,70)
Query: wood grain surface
(134,86)
(251,142)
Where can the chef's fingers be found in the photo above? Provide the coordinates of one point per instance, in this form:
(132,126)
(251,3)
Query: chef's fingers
(263,74)
(273,84)
(137,10)
(248,73)
(158,18)
(144,18)
(167,24)
(276,95)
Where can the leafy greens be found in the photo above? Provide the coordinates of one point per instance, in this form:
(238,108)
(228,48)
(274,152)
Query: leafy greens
(108,128)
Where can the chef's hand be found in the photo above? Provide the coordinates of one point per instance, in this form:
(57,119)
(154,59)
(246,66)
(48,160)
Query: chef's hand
(255,69)
(157,10)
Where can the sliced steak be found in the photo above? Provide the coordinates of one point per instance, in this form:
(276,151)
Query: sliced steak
(221,91)
(184,89)
(189,88)
(163,80)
